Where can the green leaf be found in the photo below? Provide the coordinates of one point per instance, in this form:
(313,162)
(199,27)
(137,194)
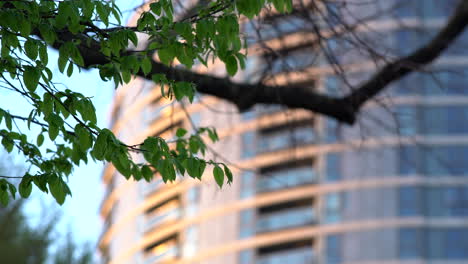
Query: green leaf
(228,173)
(8,121)
(156,8)
(25,27)
(70,69)
(43,55)
(7,144)
(31,49)
(31,77)
(84,137)
(132,37)
(181,132)
(166,169)
(231,65)
(25,186)
(126,76)
(103,12)
(147,173)
(100,146)
(146,65)
(47,33)
(195,167)
(4,198)
(12,190)
(40,139)
(53,132)
(166,55)
(194,144)
(212,134)
(58,188)
(218,175)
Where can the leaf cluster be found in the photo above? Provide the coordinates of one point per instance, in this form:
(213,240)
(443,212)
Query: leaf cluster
(68,132)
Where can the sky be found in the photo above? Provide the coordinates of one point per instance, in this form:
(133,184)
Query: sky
(79,213)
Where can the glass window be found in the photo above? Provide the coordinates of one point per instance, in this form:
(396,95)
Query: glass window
(332,130)
(294,61)
(285,137)
(446,160)
(435,120)
(286,219)
(246,223)
(247,184)
(436,244)
(298,255)
(333,86)
(406,41)
(459,45)
(407,120)
(334,249)
(248,144)
(411,243)
(246,257)
(408,8)
(455,200)
(268,109)
(284,178)
(333,167)
(448,244)
(191,241)
(434,84)
(408,160)
(437,8)
(278,27)
(193,196)
(334,207)
(456,243)
(440,120)
(457,119)
(410,201)
(406,86)
(248,115)
(246,217)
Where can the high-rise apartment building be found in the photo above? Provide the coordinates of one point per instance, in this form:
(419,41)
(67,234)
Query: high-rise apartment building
(391,189)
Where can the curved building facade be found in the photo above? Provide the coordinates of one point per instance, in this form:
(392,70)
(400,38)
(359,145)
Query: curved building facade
(392,189)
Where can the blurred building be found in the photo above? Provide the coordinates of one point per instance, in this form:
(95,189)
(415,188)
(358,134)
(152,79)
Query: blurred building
(392,189)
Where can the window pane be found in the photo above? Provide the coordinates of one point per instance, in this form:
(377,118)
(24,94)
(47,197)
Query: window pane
(410,203)
(333,161)
(411,243)
(334,249)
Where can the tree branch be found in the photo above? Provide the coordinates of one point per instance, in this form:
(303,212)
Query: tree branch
(415,61)
(343,109)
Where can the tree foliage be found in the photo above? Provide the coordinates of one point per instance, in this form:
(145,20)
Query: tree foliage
(89,34)
(68,118)
(20,242)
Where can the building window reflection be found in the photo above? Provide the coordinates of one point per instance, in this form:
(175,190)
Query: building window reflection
(286,176)
(248,144)
(334,249)
(333,167)
(285,137)
(286,219)
(334,206)
(411,243)
(247,184)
